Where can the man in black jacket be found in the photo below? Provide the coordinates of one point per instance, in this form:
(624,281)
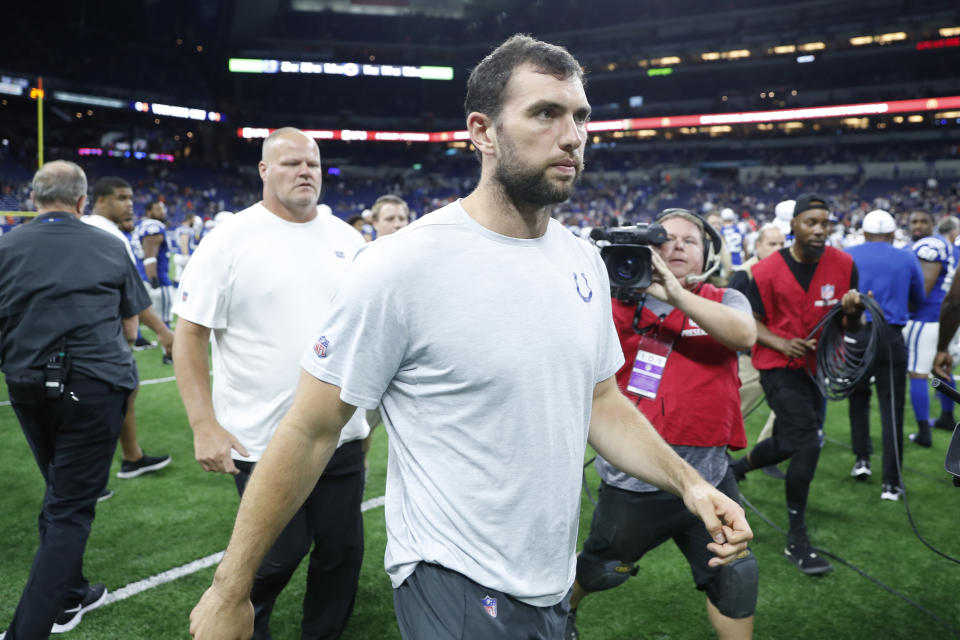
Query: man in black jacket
(69,298)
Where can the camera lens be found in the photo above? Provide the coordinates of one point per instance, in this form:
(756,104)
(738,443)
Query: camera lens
(627,268)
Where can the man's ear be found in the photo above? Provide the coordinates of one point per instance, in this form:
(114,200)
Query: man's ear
(81,205)
(483,132)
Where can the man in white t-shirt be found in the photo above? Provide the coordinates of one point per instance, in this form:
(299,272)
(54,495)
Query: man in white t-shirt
(484,332)
(113,207)
(260,284)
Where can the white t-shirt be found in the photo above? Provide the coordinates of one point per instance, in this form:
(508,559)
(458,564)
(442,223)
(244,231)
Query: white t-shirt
(483,352)
(101,222)
(262,284)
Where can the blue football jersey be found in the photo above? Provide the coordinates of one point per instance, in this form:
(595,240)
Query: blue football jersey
(151,227)
(734,241)
(934,249)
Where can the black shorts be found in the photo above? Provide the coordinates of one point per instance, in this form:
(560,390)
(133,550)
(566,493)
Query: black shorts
(628,524)
(800,407)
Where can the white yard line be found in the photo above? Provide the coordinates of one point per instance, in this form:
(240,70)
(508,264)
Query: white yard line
(170,575)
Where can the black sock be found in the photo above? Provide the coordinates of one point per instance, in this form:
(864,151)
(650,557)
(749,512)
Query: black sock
(797,515)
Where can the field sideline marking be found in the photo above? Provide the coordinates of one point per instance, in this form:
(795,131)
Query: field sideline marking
(170,575)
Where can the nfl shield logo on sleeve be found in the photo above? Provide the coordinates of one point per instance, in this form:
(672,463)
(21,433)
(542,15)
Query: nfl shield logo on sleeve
(320,347)
(826,292)
(490,606)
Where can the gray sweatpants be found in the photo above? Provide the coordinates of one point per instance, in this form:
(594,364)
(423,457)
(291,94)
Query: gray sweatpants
(435,603)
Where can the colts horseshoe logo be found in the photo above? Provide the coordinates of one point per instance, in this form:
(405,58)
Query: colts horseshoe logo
(588,296)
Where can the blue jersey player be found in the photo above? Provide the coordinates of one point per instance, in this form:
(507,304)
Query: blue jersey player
(151,234)
(937,263)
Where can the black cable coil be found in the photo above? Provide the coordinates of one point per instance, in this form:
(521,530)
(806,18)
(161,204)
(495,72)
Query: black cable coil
(842,362)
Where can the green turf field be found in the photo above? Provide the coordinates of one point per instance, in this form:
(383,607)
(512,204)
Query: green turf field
(180,514)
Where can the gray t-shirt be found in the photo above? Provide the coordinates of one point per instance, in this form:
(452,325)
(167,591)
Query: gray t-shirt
(483,352)
(711,462)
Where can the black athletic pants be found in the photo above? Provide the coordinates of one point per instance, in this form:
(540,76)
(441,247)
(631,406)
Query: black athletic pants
(331,521)
(890,366)
(73,440)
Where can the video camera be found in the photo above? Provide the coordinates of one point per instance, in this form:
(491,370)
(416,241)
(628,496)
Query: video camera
(626,253)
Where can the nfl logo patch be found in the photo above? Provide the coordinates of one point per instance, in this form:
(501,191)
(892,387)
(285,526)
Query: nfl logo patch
(826,292)
(490,606)
(320,347)
(183,296)
(339,254)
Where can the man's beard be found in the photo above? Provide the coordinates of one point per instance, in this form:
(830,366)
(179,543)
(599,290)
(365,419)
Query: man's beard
(529,186)
(810,252)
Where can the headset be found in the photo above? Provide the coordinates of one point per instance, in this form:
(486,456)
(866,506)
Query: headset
(711,250)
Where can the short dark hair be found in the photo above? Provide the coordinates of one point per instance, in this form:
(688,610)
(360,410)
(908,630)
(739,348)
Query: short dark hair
(105,186)
(151,204)
(384,200)
(486,83)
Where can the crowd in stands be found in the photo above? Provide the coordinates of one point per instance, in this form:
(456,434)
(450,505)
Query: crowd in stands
(609,191)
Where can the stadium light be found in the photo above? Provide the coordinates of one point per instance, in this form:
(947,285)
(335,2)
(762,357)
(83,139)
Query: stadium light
(861,40)
(884,38)
(947,32)
(665,61)
(812,46)
(762,118)
(13,86)
(784,48)
(348,69)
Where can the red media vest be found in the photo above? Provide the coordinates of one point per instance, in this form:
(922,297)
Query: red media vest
(698,401)
(792,312)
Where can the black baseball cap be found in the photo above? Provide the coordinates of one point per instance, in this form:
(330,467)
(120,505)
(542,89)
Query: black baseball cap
(807,201)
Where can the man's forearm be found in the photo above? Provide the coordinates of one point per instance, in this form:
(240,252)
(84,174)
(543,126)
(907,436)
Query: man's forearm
(730,327)
(949,322)
(626,439)
(150,318)
(768,338)
(192,368)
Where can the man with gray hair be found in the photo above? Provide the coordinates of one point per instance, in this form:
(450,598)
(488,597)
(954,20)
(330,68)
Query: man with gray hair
(69,298)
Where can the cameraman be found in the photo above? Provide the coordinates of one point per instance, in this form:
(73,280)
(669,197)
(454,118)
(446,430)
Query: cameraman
(698,328)
(69,295)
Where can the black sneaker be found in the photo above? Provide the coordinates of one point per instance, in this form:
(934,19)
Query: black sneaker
(861,469)
(801,553)
(922,439)
(167,358)
(945,422)
(70,616)
(570,631)
(146,464)
(106,494)
(142,344)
